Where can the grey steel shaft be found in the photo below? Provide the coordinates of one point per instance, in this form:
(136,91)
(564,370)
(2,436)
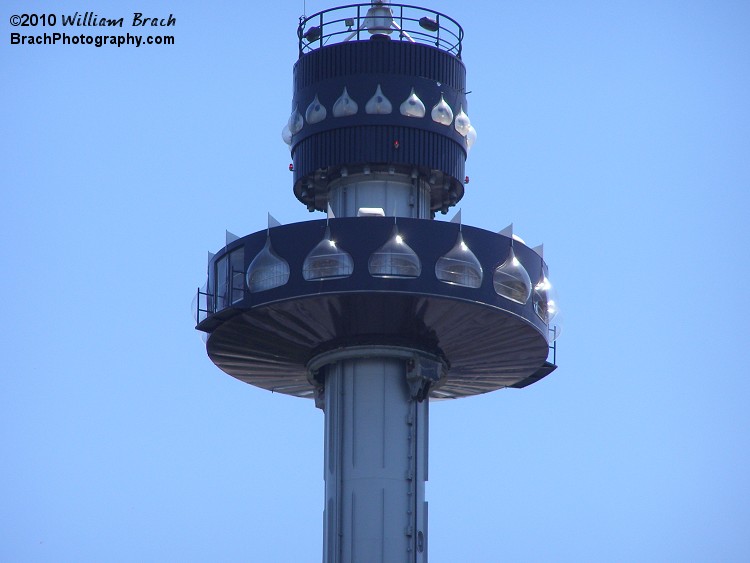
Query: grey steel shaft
(376,433)
(375,464)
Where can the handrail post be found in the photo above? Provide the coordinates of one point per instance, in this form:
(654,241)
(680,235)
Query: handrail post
(439,27)
(321,29)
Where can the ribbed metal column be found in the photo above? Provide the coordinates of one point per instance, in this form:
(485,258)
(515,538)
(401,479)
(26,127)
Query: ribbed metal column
(375,464)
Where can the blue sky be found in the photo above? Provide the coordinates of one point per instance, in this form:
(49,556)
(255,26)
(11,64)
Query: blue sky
(618,134)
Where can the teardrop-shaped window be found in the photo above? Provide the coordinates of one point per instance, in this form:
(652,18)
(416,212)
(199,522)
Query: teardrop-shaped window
(378,104)
(395,259)
(316,112)
(442,112)
(511,280)
(267,270)
(286,135)
(459,266)
(413,106)
(327,261)
(545,300)
(295,122)
(462,123)
(471,137)
(345,106)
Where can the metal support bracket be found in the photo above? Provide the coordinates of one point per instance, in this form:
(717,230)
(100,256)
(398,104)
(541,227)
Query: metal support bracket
(423,371)
(421,375)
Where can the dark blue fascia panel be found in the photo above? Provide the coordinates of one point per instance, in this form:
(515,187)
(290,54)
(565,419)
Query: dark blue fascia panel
(361,236)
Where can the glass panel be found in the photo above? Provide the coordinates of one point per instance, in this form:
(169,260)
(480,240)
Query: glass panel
(511,280)
(237,274)
(221,283)
(545,300)
(459,266)
(395,259)
(267,270)
(326,261)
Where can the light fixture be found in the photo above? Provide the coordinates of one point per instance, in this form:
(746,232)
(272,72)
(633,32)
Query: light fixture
(429,24)
(379,19)
(370,212)
(312,34)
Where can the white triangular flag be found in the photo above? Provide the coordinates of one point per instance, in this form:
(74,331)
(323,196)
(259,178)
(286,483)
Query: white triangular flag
(231,237)
(329,214)
(272,222)
(539,250)
(457,217)
(507,231)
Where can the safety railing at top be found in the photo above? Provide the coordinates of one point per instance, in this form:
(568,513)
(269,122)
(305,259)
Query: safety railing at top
(359,22)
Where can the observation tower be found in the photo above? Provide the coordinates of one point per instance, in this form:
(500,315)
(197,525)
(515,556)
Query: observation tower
(377,309)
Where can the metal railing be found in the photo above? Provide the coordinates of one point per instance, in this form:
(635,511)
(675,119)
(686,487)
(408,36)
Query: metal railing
(359,22)
(207,303)
(554,333)
(204,306)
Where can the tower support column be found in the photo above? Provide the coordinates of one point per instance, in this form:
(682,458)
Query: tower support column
(376,434)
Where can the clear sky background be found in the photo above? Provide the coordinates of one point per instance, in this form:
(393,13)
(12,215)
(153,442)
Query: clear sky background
(616,133)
